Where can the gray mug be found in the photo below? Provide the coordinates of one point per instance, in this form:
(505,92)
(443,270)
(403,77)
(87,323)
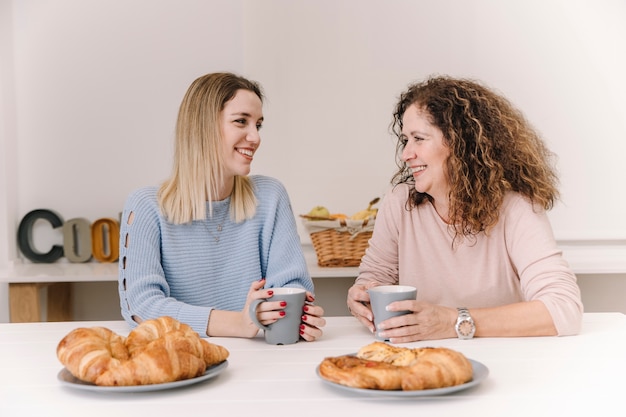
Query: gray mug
(383,295)
(286,330)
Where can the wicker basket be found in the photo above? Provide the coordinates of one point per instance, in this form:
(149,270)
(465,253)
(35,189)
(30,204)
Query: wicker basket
(338,244)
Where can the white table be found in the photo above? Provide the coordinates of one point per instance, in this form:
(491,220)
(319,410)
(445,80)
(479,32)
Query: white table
(550,376)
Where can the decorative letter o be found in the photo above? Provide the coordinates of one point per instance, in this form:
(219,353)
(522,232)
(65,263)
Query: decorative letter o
(105,240)
(77,240)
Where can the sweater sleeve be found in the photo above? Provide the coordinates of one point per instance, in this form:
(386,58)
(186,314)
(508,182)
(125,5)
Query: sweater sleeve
(143,288)
(543,272)
(380,262)
(283,263)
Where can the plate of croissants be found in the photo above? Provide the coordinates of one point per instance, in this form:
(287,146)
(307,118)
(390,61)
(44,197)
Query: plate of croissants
(385,370)
(158,354)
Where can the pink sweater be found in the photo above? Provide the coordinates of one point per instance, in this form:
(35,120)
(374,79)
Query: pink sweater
(518,261)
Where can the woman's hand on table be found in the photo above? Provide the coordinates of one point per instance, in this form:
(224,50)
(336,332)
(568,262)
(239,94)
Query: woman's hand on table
(239,323)
(265,313)
(312,320)
(425,322)
(269,312)
(359,305)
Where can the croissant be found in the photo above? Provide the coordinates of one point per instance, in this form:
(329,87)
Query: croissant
(151,330)
(385,367)
(355,372)
(383,352)
(157,351)
(88,352)
(437,368)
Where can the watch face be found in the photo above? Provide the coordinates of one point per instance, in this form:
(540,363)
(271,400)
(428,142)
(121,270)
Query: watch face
(465,328)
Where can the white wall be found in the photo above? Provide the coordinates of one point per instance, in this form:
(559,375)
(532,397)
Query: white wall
(8,140)
(90,92)
(99,84)
(334,69)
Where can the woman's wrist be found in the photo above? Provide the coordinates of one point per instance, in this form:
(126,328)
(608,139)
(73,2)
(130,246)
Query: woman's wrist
(224,323)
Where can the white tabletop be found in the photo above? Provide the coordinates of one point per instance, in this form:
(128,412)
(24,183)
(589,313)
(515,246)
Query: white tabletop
(547,376)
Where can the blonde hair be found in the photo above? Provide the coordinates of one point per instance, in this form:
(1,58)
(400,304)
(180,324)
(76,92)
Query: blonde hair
(197,173)
(493,150)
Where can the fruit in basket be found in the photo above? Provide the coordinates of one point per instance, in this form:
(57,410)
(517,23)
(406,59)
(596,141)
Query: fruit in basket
(338,216)
(319,212)
(364,214)
(369,212)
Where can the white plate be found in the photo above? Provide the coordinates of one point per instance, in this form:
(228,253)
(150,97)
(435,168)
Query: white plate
(480,373)
(70,380)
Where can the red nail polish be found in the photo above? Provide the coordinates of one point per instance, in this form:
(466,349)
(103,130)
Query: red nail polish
(303,318)
(270,292)
(283,303)
(302,327)
(282,313)
(306,308)
(301,331)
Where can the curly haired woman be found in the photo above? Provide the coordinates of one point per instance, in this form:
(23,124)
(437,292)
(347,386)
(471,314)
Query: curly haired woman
(465,222)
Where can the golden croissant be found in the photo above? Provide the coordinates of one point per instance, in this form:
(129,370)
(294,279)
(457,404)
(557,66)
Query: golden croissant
(156,351)
(384,367)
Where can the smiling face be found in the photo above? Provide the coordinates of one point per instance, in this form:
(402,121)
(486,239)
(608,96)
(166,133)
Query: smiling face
(425,153)
(240,122)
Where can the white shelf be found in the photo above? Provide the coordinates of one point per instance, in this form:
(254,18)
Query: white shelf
(584,259)
(60,272)
(95,271)
(604,258)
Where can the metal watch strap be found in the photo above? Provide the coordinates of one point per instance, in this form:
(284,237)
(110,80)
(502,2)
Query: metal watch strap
(465,327)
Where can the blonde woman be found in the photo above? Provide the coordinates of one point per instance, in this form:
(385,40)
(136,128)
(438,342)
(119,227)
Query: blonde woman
(466,223)
(211,239)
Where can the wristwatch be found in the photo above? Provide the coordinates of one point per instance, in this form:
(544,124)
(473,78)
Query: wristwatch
(465,327)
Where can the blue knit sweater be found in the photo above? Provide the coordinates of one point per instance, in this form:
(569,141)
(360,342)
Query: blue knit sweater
(183,272)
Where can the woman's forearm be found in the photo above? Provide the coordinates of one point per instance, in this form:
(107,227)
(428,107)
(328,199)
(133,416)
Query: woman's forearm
(529,318)
(230,324)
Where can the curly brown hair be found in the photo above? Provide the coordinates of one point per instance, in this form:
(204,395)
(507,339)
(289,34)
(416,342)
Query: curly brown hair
(493,150)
